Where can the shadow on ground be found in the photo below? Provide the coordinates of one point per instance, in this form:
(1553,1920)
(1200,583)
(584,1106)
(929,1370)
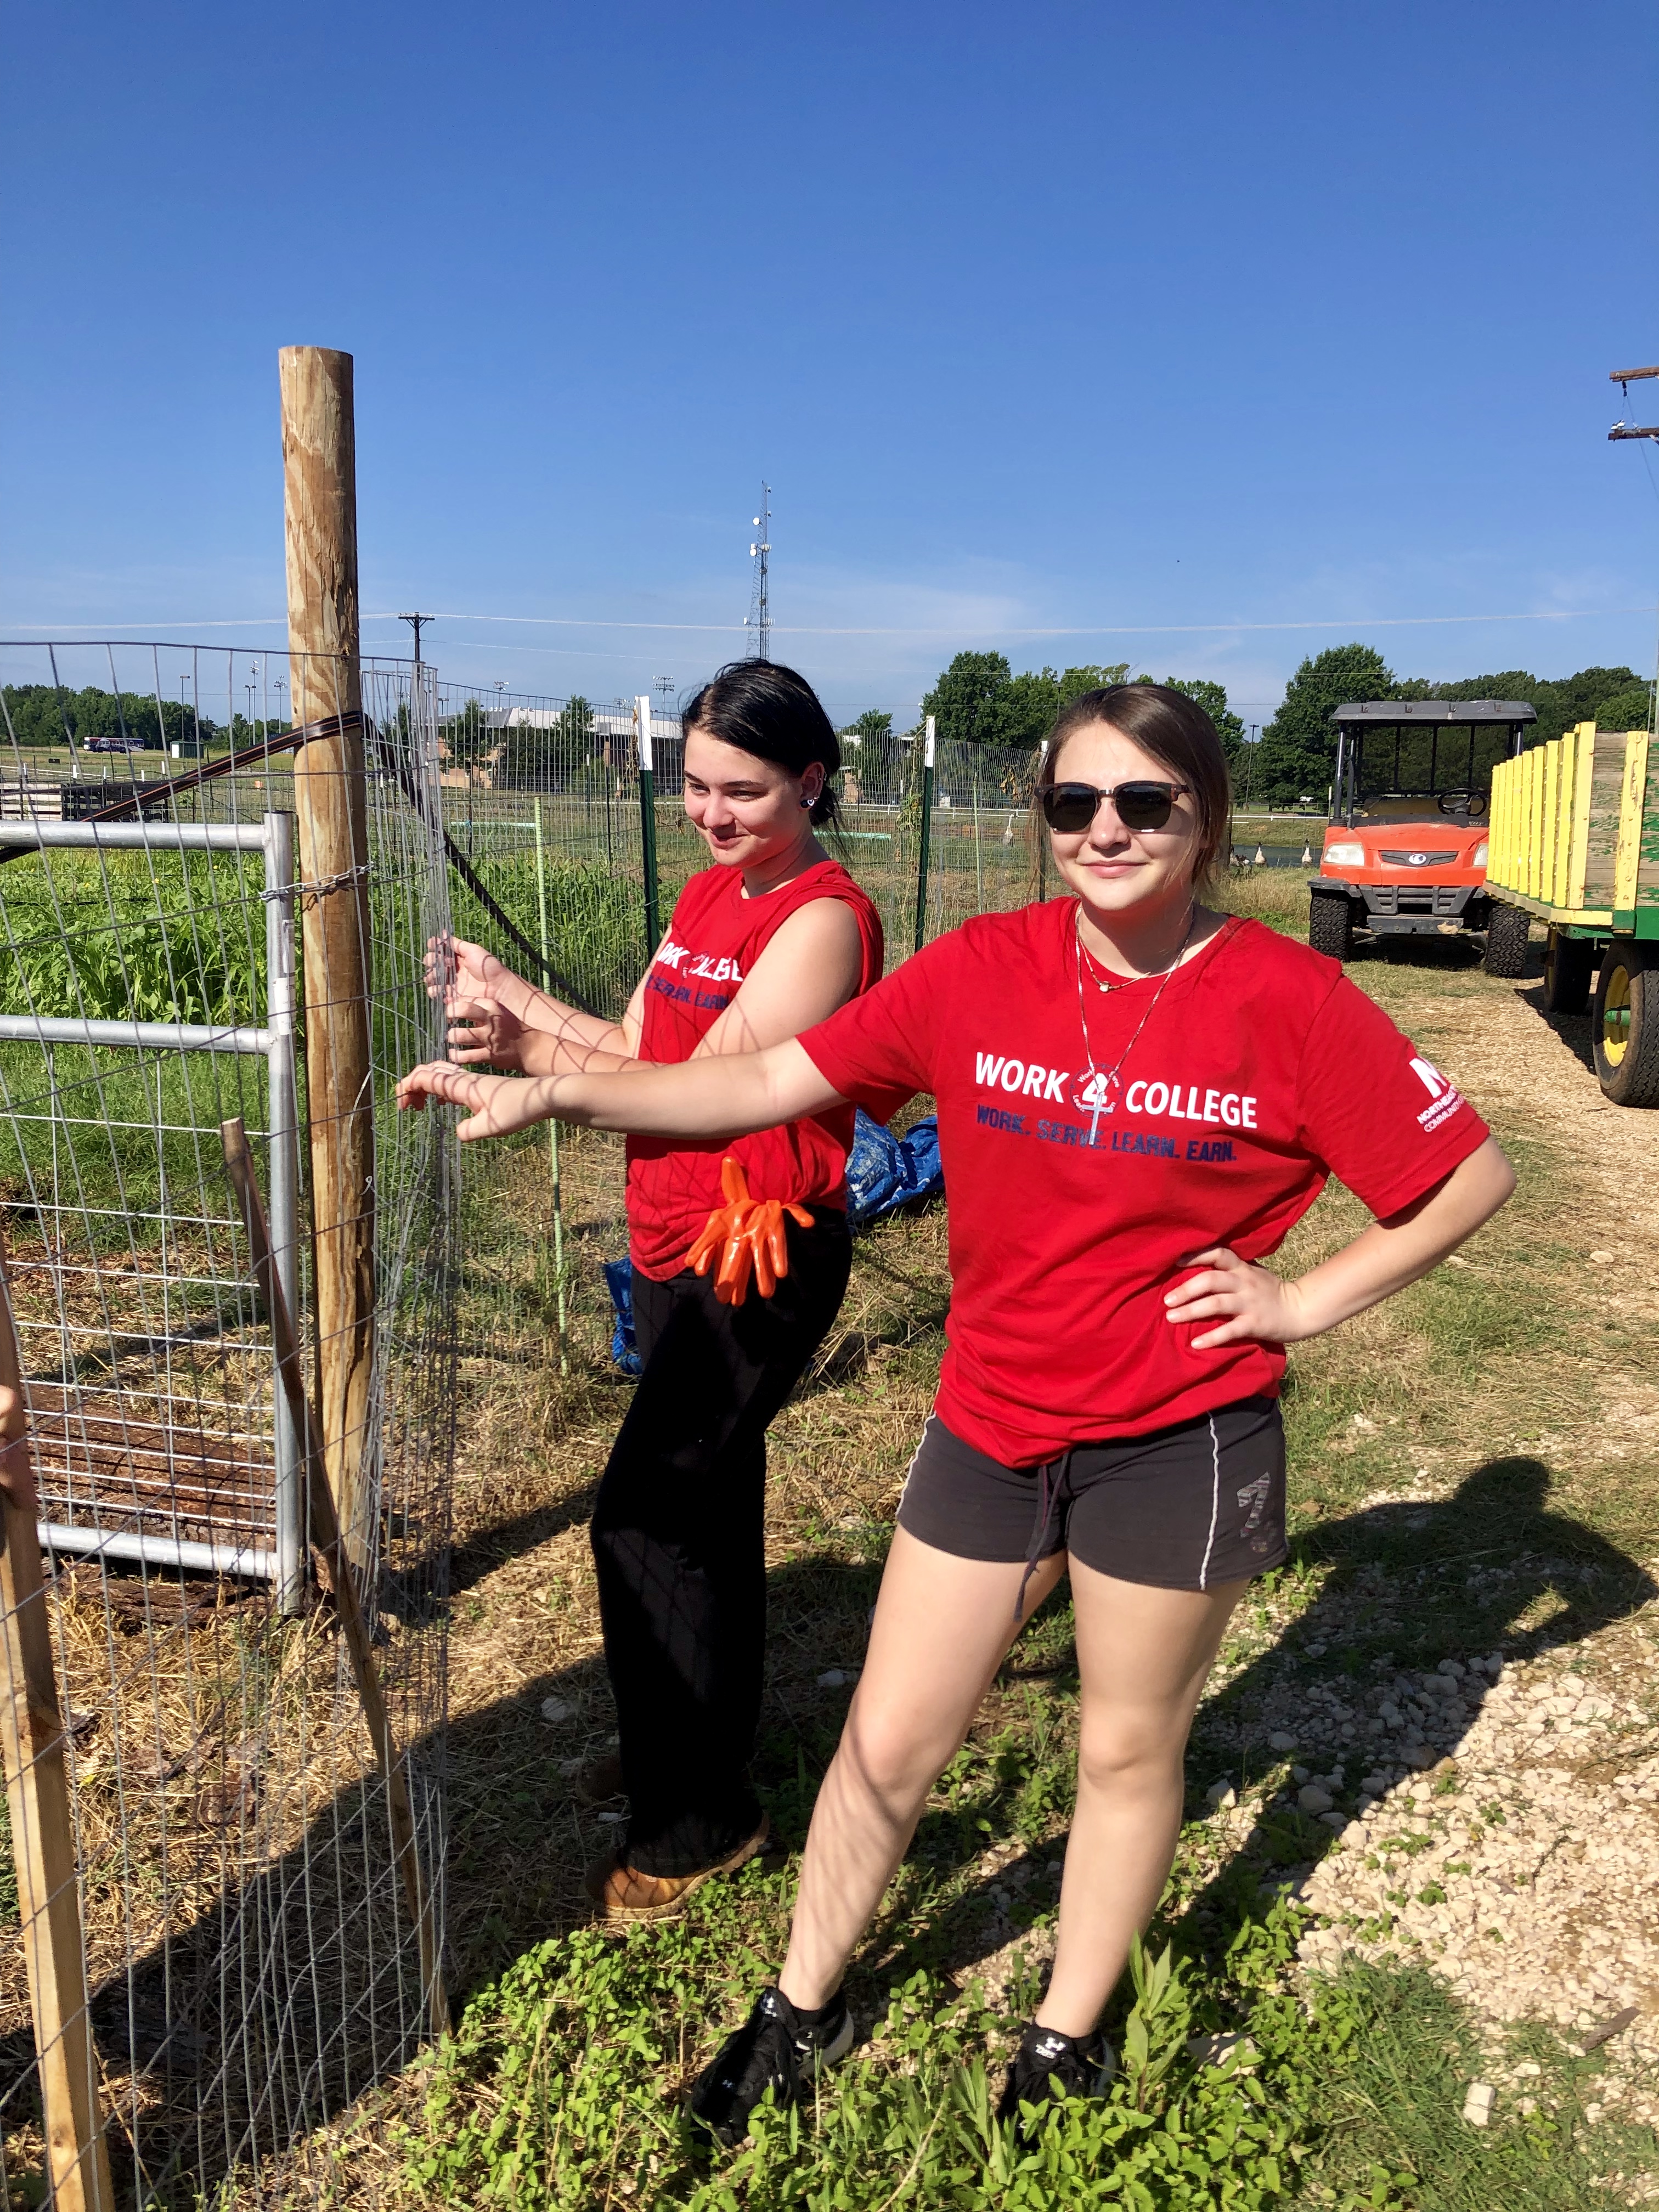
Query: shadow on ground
(1573,1029)
(1410,1585)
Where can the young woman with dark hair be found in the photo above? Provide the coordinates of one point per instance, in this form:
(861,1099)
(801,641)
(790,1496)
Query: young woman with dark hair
(771,938)
(1137,1096)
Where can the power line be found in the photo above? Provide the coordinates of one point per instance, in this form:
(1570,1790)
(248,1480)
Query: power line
(91,633)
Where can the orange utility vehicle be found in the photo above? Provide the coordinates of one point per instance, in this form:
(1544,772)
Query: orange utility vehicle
(1405,854)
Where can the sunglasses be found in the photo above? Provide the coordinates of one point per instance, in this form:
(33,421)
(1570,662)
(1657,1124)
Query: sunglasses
(1070,807)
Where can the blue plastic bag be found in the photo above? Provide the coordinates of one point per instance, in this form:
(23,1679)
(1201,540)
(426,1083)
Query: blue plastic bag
(885,1172)
(619,1281)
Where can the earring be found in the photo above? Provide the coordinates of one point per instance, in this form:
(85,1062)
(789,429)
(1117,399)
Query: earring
(809,802)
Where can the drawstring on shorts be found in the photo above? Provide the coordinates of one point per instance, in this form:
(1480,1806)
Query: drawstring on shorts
(1048,1498)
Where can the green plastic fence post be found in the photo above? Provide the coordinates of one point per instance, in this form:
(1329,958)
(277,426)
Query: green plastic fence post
(648,824)
(926,828)
(552,1126)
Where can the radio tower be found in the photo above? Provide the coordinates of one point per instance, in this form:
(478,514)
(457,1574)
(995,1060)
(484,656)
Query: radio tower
(758,621)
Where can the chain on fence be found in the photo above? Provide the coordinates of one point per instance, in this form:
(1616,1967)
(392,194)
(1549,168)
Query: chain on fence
(252,1758)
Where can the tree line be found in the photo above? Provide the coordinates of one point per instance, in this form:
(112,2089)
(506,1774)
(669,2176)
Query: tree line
(41,714)
(1297,751)
(980,699)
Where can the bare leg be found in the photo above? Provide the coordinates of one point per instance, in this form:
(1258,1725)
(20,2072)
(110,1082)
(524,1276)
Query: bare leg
(943,1627)
(1144,1655)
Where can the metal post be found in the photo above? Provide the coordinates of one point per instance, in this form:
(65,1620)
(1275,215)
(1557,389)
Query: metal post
(926,827)
(1042,833)
(552,1126)
(978,864)
(284,1124)
(647,822)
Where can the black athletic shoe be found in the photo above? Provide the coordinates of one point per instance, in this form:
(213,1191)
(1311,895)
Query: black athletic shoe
(1049,2067)
(777,2049)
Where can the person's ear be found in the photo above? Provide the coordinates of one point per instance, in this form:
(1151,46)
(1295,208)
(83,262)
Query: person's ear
(811,786)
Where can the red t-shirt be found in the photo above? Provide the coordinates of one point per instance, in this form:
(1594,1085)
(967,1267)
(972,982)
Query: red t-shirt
(713,941)
(1260,1071)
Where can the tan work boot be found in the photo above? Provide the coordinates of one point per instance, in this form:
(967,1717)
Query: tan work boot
(625,1895)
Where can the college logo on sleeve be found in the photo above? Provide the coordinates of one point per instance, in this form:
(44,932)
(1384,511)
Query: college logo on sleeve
(1444,1096)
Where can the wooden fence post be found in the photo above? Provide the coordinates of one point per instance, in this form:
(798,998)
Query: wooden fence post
(320,501)
(42,1832)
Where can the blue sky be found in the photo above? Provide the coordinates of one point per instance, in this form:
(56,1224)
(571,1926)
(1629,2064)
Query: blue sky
(1104,320)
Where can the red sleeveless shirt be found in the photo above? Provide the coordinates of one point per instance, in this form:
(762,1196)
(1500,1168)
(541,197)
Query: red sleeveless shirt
(713,941)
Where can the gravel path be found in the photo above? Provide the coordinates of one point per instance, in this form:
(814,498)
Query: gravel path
(1507,1827)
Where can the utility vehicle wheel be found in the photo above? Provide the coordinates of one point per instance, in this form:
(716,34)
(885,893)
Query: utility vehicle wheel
(1330,925)
(1507,933)
(1625,1031)
(1569,963)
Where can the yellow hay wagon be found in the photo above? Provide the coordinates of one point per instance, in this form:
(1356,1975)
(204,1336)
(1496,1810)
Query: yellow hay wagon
(1575,843)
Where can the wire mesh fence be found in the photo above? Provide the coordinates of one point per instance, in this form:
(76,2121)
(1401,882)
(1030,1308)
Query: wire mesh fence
(248,1842)
(544,807)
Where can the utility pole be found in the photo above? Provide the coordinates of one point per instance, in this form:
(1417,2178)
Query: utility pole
(415,622)
(758,621)
(1623,378)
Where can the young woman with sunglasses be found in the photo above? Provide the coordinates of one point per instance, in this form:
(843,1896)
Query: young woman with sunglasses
(772,937)
(1137,1096)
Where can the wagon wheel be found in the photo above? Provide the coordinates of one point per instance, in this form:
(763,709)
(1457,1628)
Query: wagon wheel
(1569,964)
(1626,1032)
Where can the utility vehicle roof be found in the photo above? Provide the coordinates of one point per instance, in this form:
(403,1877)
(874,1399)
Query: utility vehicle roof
(1460,712)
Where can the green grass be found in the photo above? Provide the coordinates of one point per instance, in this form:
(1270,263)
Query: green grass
(165,936)
(563,2088)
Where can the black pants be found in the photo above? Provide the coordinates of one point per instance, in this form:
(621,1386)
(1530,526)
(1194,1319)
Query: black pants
(679,1543)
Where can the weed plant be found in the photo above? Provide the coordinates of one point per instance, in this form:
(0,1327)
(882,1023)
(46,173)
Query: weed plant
(133,936)
(564,2087)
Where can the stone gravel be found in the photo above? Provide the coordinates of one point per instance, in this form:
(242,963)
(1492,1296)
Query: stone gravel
(1505,1830)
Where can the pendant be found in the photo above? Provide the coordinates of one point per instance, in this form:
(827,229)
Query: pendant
(1099,1096)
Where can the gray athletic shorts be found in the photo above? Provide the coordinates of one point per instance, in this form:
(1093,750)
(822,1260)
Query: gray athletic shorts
(1184,1508)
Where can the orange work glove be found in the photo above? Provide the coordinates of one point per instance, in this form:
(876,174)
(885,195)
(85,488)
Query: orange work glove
(748,1233)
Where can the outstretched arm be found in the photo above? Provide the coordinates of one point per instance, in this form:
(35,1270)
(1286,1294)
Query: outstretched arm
(731,1095)
(1253,1303)
(499,1018)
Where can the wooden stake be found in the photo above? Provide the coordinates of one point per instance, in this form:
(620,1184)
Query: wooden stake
(42,1832)
(325,1534)
(320,499)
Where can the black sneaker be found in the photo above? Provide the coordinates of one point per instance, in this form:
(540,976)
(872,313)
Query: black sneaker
(1049,2067)
(777,2049)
